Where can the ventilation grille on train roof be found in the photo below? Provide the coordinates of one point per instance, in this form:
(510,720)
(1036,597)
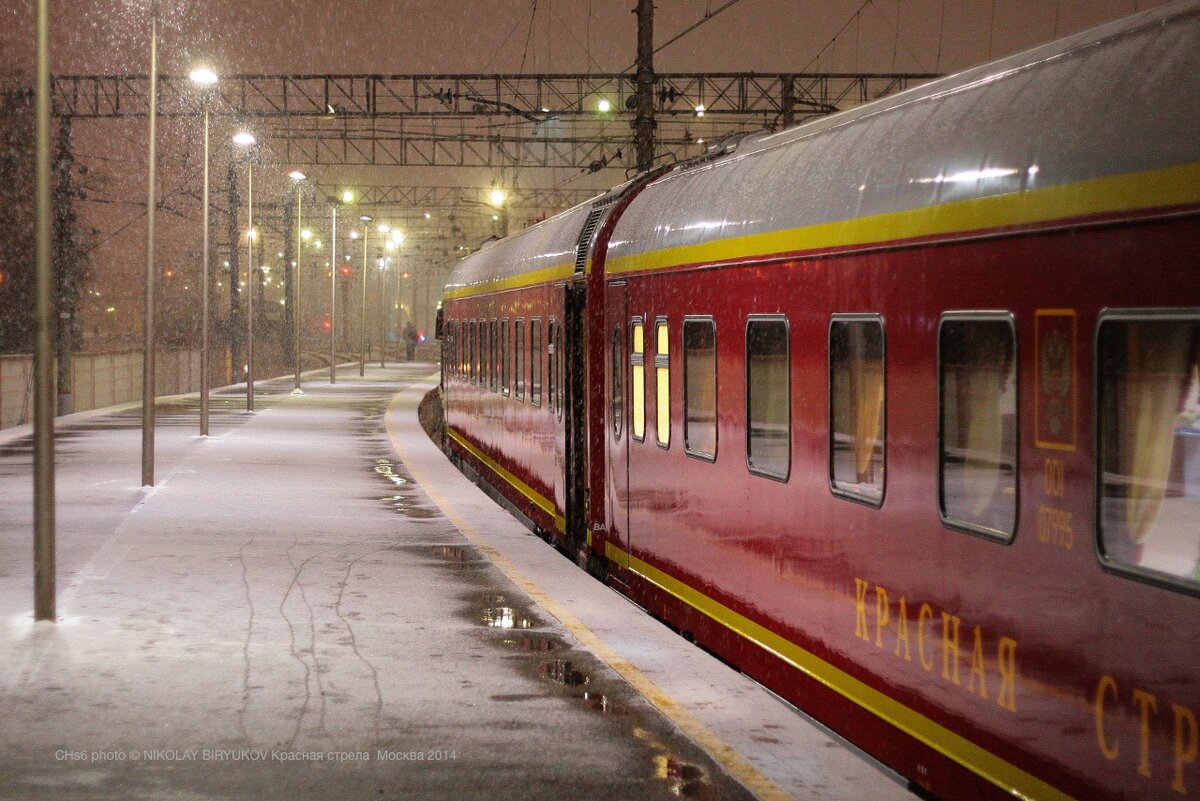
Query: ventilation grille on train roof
(585,237)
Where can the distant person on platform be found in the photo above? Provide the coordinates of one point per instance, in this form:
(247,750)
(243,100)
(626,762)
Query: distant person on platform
(410,340)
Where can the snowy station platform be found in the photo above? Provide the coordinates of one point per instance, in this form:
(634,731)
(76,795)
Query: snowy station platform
(313,603)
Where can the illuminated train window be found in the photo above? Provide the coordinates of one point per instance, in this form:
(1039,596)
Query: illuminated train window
(560,357)
(471,341)
(768,397)
(505,339)
(493,356)
(856,407)
(977,418)
(616,400)
(519,358)
(637,382)
(700,387)
(535,362)
(662,383)
(1148,370)
(480,357)
(551,364)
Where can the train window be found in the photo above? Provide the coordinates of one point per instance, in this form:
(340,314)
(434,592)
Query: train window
(494,373)
(480,352)
(700,387)
(480,357)
(535,362)
(1148,369)
(977,423)
(472,342)
(519,358)
(616,401)
(551,363)
(505,339)
(560,358)
(662,382)
(856,407)
(768,397)
(637,384)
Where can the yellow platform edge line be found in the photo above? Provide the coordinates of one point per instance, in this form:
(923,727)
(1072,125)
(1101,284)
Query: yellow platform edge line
(738,766)
(978,760)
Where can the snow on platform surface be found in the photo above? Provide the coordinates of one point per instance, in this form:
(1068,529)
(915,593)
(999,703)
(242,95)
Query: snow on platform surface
(289,614)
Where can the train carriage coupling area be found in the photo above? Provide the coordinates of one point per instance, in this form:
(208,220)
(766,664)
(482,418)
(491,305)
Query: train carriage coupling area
(313,602)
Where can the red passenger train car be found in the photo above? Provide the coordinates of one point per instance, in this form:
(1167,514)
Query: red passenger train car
(895,410)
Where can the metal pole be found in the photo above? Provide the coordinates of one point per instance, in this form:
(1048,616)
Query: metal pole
(250,287)
(383,316)
(296,290)
(362,333)
(643,123)
(204,288)
(333,271)
(43,364)
(151,204)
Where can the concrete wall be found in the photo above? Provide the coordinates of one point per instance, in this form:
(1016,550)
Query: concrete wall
(99,380)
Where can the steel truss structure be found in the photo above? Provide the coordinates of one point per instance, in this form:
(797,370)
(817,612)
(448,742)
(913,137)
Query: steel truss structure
(498,120)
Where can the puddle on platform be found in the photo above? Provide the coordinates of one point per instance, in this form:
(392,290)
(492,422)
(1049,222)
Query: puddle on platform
(687,781)
(403,502)
(561,671)
(683,771)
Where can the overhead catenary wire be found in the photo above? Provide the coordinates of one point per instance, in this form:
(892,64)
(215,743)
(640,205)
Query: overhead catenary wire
(708,15)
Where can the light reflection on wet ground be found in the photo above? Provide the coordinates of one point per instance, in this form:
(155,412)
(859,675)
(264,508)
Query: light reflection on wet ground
(543,682)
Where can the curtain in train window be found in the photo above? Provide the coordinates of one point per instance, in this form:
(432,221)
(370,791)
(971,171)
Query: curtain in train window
(493,356)
(700,387)
(662,383)
(505,335)
(637,382)
(768,397)
(1149,426)
(856,391)
(473,342)
(560,363)
(481,353)
(551,363)
(535,362)
(616,401)
(978,423)
(519,357)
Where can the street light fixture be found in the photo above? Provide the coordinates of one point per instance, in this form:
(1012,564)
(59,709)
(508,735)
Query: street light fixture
(204,78)
(362,331)
(246,139)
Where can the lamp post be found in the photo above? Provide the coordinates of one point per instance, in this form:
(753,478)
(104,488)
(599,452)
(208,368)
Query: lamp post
(298,177)
(362,331)
(384,228)
(206,79)
(44,574)
(333,269)
(148,316)
(247,140)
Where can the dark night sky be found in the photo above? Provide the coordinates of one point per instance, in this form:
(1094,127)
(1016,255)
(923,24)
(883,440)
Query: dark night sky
(407,36)
(566,35)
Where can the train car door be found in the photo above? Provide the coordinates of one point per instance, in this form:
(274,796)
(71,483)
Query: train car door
(572,384)
(617,373)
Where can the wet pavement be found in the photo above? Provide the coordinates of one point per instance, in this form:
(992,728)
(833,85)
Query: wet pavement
(287,614)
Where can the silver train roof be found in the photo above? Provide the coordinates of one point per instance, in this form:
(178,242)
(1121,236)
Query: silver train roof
(1116,99)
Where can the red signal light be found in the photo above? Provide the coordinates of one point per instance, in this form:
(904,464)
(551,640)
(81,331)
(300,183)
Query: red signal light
(345,271)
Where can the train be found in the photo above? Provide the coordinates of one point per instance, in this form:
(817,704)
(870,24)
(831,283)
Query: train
(896,411)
